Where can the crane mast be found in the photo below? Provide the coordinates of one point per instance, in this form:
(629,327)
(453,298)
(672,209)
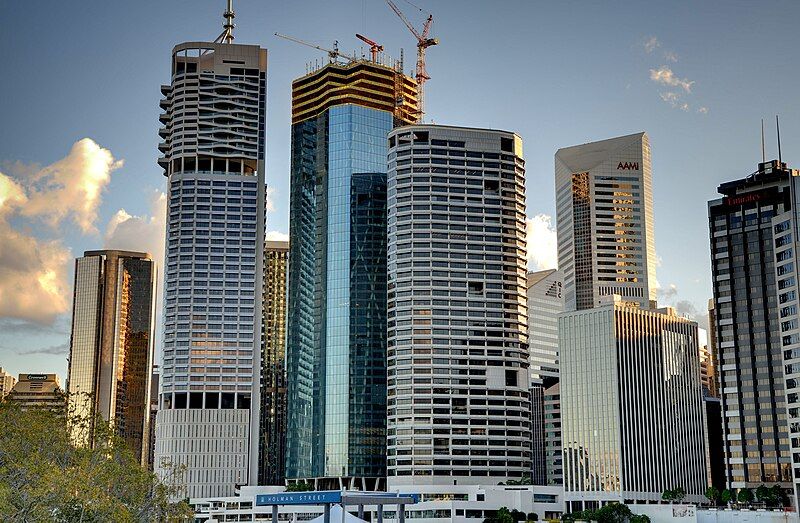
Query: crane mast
(423,42)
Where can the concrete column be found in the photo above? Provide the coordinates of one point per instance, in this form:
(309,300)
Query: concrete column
(380,513)
(401,513)
(274,513)
(361,511)
(327,514)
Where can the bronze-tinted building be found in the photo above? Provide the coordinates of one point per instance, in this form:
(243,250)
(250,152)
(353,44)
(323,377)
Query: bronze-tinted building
(111,342)
(272,432)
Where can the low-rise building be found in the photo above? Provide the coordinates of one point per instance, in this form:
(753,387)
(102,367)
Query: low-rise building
(7,382)
(38,391)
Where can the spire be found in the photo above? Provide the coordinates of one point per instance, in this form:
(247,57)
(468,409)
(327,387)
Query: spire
(227,27)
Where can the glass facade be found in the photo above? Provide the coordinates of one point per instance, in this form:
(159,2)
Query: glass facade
(111,343)
(272,432)
(337,341)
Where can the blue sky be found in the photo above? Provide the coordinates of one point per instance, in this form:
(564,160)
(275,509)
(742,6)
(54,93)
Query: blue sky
(698,77)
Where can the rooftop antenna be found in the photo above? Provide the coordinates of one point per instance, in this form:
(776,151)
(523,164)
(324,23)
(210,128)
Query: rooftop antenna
(763,154)
(778,127)
(227,27)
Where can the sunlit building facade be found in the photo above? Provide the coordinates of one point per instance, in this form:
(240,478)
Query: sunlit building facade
(7,382)
(458,382)
(748,318)
(604,209)
(631,405)
(111,343)
(336,326)
(214,112)
(272,428)
(38,392)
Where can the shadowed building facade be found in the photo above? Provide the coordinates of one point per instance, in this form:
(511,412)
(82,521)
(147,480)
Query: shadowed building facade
(111,343)
(336,344)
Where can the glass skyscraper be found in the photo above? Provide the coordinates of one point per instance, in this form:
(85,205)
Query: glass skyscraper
(213,158)
(111,343)
(272,430)
(336,344)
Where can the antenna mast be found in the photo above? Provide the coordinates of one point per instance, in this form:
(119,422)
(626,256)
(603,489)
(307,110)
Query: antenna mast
(778,127)
(227,27)
(763,154)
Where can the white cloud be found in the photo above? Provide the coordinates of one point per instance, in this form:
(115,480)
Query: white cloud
(542,242)
(72,187)
(674,100)
(671,297)
(35,271)
(664,75)
(703,110)
(271,192)
(277,236)
(34,276)
(670,56)
(651,44)
(140,233)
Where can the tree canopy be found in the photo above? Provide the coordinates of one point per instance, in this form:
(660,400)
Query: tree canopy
(45,476)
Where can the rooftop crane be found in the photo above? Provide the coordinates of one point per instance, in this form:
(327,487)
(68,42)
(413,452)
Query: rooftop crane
(374,47)
(423,42)
(333,54)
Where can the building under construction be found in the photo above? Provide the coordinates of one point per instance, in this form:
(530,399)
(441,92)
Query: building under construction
(336,318)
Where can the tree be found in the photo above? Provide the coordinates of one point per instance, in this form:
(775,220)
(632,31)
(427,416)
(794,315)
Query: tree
(501,516)
(613,513)
(45,476)
(765,496)
(712,493)
(780,496)
(517,515)
(678,493)
(745,496)
(639,518)
(533,516)
(300,486)
(726,496)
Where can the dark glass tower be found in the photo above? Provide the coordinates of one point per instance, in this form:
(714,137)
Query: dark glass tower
(747,326)
(336,344)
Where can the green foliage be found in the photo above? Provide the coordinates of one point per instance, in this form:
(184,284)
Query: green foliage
(611,513)
(525,480)
(676,494)
(533,516)
(300,486)
(780,496)
(712,493)
(639,518)
(745,495)
(45,476)
(726,496)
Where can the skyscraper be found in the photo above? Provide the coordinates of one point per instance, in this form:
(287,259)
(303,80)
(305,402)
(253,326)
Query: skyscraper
(631,405)
(213,158)
(604,208)
(111,345)
(747,322)
(272,429)
(545,303)
(459,408)
(38,391)
(336,344)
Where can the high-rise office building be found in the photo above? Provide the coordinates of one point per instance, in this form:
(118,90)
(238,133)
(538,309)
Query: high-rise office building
(708,369)
(630,396)
(7,382)
(155,382)
(604,209)
(336,342)
(747,322)
(111,344)
(785,244)
(272,429)
(459,408)
(551,417)
(38,391)
(713,385)
(213,158)
(545,303)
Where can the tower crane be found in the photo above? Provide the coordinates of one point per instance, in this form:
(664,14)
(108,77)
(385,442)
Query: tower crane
(374,47)
(334,54)
(423,42)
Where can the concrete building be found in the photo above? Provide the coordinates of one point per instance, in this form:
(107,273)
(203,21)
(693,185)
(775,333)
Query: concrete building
(7,382)
(459,409)
(38,391)
(111,343)
(155,382)
(213,146)
(553,450)
(437,504)
(604,210)
(272,428)
(545,302)
(708,369)
(336,325)
(748,318)
(631,405)
(785,244)
(713,384)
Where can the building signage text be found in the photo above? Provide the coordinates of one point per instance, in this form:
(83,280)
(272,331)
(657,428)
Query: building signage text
(625,166)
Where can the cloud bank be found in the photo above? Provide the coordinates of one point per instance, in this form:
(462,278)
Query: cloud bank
(542,243)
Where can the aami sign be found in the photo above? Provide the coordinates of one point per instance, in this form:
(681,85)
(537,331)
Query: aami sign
(625,166)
